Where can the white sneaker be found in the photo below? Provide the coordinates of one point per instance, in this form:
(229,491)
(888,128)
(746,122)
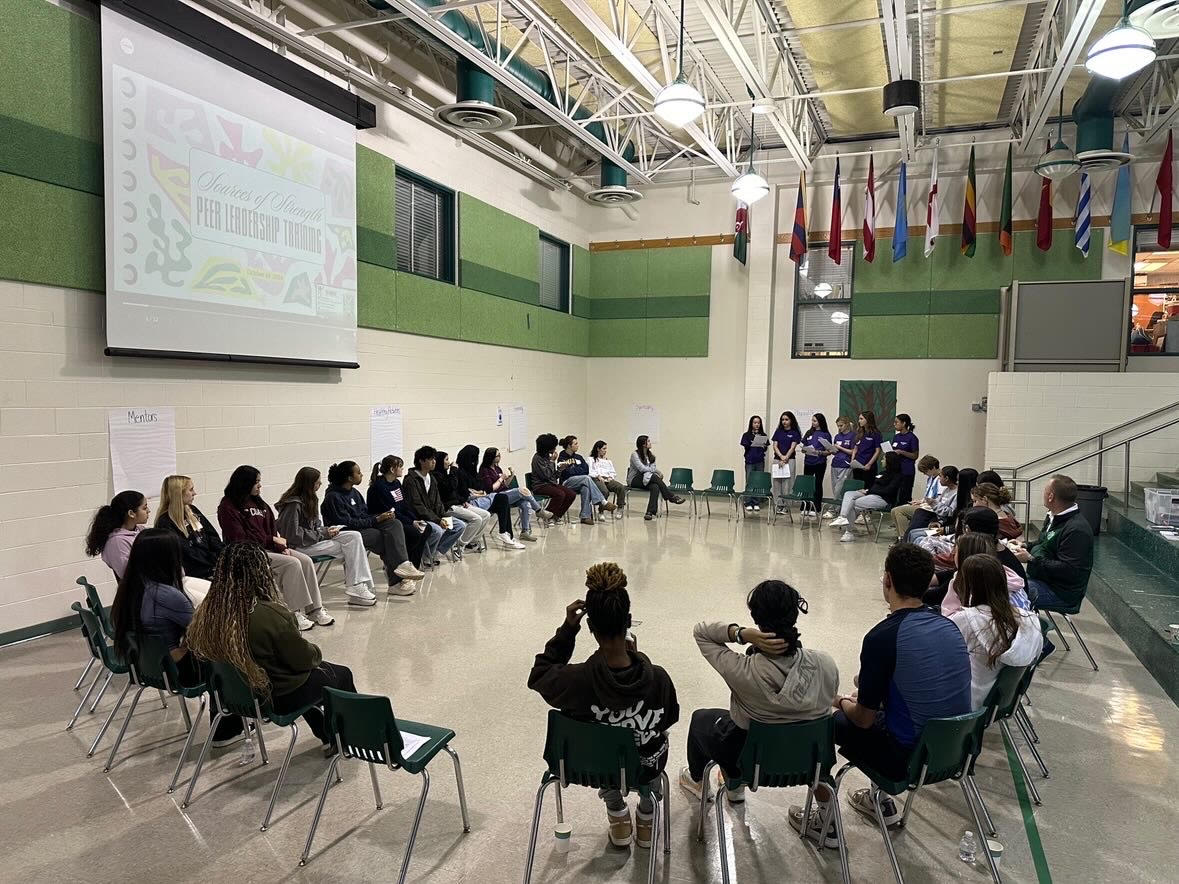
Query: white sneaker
(847,537)
(321,617)
(691,786)
(748,508)
(302,622)
(406,571)
(828,514)
(508,542)
(403,588)
(361,595)
(839,522)
(618,513)
(815,828)
(757,508)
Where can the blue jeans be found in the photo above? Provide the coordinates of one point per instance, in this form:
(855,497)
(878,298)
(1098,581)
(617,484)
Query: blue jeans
(1040,593)
(439,540)
(590,495)
(526,505)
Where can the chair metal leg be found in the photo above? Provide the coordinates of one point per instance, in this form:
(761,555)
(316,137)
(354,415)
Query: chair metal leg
(1027,777)
(982,806)
(978,828)
(413,833)
(201,759)
(666,811)
(704,799)
(109,719)
(721,846)
(844,867)
(85,672)
(327,784)
(261,740)
(1026,719)
(85,698)
(184,751)
(163,700)
(1063,640)
(101,692)
(110,760)
(462,792)
(184,712)
(372,772)
(282,772)
(1032,746)
(560,806)
(1084,647)
(535,828)
(656,825)
(892,855)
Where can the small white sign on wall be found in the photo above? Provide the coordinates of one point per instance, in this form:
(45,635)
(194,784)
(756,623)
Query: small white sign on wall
(143,448)
(644,421)
(386,432)
(517,428)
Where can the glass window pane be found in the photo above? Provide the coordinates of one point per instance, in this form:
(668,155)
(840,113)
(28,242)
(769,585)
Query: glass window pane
(554,277)
(423,220)
(821,329)
(402,213)
(821,279)
(1155,304)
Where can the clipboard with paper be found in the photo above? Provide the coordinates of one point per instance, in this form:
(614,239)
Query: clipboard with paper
(780,471)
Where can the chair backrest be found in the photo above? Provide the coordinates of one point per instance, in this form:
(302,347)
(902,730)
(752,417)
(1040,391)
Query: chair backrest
(364,725)
(153,662)
(759,481)
(1004,695)
(95,604)
(853,485)
(681,478)
(591,754)
(96,638)
(724,480)
(778,755)
(515,483)
(946,747)
(803,488)
(232,690)
(528,481)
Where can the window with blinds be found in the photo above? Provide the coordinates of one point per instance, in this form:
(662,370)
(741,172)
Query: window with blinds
(823,303)
(554,274)
(425,228)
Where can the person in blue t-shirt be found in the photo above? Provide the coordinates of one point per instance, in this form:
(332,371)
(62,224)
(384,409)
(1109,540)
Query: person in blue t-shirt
(785,442)
(914,666)
(908,446)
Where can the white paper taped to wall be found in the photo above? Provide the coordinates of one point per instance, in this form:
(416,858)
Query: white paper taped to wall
(143,448)
(517,428)
(644,421)
(386,432)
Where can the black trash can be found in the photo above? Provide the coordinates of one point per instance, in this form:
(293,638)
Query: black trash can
(1090,499)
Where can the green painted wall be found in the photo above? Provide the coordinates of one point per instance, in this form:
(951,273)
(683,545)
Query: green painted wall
(498,253)
(376,239)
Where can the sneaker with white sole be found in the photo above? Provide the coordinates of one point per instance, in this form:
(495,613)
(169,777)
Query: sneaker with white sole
(545,515)
(757,508)
(621,827)
(814,830)
(361,595)
(320,617)
(509,543)
(861,800)
(302,622)
(749,508)
(526,536)
(691,786)
(402,588)
(839,522)
(847,537)
(407,571)
(618,513)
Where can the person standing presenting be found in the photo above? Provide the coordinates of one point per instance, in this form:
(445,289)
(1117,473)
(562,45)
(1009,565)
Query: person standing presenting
(908,446)
(785,442)
(755,443)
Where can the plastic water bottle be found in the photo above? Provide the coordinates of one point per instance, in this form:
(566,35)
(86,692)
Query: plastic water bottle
(247,754)
(967,847)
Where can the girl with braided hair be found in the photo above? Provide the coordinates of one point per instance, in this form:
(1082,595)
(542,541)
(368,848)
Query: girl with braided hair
(617,685)
(243,623)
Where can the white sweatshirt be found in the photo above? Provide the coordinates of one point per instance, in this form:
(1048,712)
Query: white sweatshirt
(978,629)
(602,468)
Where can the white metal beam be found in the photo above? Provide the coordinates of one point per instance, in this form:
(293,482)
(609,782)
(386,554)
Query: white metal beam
(898,49)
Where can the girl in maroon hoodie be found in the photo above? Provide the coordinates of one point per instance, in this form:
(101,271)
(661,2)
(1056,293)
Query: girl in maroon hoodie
(245,516)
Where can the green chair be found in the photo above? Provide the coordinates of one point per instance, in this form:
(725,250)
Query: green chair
(945,752)
(232,696)
(724,484)
(323,564)
(90,662)
(364,727)
(758,487)
(803,491)
(867,515)
(111,661)
(848,485)
(1067,612)
(76,607)
(680,483)
(94,603)
(779,756)
(597,756)
(1004,705)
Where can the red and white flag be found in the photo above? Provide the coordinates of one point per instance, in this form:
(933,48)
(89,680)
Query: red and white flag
(870,213)
(932,225)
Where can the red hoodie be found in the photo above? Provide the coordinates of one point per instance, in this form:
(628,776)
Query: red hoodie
(253,522)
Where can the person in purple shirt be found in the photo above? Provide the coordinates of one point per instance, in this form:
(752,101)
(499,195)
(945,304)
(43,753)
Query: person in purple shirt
(867,450)
(845,447)
(755,455)
(908,446)
(815,461)
(785,440)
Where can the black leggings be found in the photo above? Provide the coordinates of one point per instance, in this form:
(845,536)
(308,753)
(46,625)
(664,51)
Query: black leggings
(867,477)
(657,487)
(819,471)
(325,675)
(503,511)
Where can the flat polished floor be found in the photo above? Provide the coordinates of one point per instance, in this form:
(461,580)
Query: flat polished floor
(458,654)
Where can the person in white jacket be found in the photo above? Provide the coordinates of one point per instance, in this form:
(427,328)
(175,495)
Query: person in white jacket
(774,681)
(997,633)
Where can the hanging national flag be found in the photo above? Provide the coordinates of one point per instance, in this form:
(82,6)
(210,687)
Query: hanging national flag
(835,237)
(1119,217)
(932,225)
(798,237)
(741,232)
(870,214)
(1165,186)
(969,234)
(1084,216)
(1005,215)
(900,233)
(1044,216)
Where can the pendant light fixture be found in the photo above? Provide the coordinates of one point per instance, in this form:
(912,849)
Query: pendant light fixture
(679,102)
(750,187)
(1058,162)
(1121,52)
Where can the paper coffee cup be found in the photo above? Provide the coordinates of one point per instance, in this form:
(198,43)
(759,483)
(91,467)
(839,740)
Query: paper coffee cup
(562,837)
(996,850)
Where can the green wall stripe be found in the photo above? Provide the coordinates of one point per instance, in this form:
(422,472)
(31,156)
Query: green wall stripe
(618,308)
(583,306)
(49,627)
(495,282)
(375,247)
(675,306)
(890,303)
(978,301)
(33,151)
(51,235)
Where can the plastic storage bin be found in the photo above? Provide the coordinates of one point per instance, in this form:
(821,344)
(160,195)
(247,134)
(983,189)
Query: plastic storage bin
(1162,505)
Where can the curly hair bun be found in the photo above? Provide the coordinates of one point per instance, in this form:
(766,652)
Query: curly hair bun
(605,576)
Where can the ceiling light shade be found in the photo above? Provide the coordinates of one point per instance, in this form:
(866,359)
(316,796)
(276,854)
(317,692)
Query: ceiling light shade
(902,97)
(1057,163)
(1121,52)
(679,103)
(764,106)
(750,187)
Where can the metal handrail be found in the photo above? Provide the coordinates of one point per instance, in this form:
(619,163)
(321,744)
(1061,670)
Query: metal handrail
(1100,437)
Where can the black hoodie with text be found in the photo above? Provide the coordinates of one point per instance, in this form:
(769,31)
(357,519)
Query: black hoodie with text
(641,696)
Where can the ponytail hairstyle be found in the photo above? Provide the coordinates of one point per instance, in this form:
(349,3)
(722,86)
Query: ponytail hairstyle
(596,451)
(387,464)
(172,505)
(907,421)
(341,472)
(154,558)
(303,490)
(869,425)
(240,485)
(775,606)
(950,474)
(995,495)
(981,581)
(607,603)
(109,518)
(489,455)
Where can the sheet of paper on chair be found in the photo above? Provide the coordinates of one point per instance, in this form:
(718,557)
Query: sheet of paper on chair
(413,743)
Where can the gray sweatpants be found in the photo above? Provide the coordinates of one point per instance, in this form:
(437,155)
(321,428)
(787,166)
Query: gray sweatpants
(616,802)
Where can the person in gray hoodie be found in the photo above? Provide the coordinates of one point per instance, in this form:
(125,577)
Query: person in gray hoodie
(775,681)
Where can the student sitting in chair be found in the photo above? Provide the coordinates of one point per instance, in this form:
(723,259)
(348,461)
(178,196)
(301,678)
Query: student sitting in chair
(114,528)
(617,685)
(882,496)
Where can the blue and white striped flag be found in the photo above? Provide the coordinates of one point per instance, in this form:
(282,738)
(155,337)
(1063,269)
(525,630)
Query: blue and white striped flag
(1083,219)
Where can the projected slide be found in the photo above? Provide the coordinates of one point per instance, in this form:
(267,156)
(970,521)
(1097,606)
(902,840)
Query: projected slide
(231,209)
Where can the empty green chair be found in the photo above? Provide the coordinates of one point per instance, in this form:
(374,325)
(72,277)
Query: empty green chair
(1004,705)
(91,661)
(363,727)
(232,696)
(757,487)
(779,756)
(724,484)
(597,756)
(802,491)
(945,751)
(681,483)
